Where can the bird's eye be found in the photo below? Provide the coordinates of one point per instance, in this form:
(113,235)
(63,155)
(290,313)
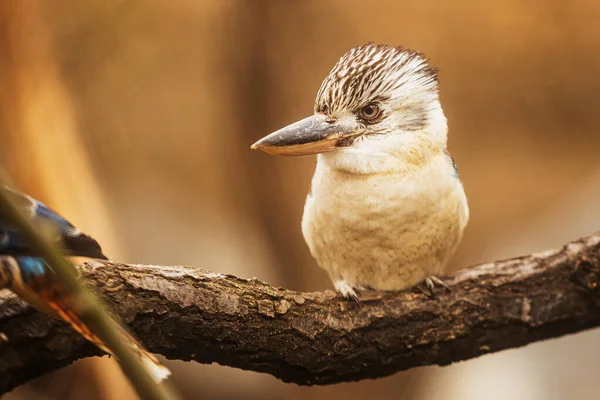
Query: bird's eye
(370,111)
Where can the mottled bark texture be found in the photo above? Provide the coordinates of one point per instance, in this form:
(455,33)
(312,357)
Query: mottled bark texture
(318,338)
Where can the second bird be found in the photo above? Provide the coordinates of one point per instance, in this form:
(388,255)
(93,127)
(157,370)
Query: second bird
(386,210)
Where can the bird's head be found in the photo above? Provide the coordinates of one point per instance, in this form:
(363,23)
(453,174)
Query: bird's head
(376,99)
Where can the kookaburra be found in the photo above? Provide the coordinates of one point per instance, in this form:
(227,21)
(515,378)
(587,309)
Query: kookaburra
(386,210)
(23,271)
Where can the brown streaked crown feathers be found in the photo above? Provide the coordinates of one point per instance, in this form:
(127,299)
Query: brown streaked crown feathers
(373,73)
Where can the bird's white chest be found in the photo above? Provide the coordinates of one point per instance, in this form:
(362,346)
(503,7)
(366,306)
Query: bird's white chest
(386,231)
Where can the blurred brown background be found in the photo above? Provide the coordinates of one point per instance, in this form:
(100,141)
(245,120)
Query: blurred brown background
(134,119)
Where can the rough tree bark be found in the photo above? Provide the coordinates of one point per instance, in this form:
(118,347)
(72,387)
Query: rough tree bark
(318,338)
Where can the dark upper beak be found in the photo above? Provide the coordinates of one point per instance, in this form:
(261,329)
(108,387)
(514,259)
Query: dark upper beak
(312,135)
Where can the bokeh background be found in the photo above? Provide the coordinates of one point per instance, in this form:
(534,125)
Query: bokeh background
(134,119)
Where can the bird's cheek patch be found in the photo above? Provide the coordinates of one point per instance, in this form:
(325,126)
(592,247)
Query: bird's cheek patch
(412,117)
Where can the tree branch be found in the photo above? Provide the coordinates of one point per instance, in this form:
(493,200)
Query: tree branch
(318,338)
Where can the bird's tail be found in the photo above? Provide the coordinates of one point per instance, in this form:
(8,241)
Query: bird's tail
(31,280)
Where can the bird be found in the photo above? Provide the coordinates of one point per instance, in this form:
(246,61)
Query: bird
(28,275)
(386,210)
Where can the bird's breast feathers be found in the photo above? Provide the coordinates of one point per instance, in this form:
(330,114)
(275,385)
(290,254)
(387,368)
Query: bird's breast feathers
(385,230)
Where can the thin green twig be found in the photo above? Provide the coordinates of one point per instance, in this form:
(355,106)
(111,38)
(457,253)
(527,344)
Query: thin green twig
(103,325)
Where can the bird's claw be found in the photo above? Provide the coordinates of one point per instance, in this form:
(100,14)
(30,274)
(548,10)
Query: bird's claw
(346,290)
(430,283)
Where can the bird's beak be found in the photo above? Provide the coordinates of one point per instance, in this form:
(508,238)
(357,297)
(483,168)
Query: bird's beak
(311,135)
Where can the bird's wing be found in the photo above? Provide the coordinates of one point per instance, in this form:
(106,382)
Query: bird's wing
(455,169)
(34,281)
(74,242)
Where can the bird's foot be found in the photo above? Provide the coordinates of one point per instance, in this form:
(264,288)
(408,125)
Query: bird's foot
(347,290)
(430,284)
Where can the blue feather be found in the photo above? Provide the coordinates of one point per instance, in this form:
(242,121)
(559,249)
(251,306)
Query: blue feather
(73,241)
(32,268)
(37,210)
(455,169)
(453,163)
(9,238)
(44,212)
